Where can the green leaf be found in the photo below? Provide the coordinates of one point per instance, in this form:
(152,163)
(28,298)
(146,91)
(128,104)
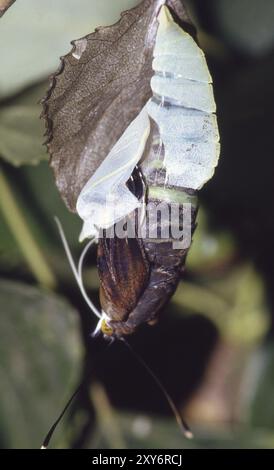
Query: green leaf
(21,129)
(40,358)
(39,201)
(35,33)
(21,135)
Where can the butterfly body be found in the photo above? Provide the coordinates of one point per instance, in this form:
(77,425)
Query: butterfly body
(176,151)
(165,154)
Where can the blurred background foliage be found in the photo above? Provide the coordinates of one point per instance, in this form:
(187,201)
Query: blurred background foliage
(213,348)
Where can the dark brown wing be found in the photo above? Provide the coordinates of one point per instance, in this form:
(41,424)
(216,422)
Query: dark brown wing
(101,86)
(124,272)
(123,265)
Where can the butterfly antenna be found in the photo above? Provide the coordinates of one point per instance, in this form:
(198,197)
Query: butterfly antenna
(49,435)
(184,428)
(78,273)
(82,258)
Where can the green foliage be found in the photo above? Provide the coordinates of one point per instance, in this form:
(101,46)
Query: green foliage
(31,53)
(21,129)
(40,359)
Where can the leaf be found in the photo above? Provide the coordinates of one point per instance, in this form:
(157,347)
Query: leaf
(101,86)
(40,358)
(38,199)
(21,131)
(31,53)
(4,5)
(21,135)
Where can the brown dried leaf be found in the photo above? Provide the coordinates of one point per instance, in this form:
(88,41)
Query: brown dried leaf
(4,5)
(101,86)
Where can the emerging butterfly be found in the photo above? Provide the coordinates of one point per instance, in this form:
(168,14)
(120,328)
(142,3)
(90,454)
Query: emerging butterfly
(166,152)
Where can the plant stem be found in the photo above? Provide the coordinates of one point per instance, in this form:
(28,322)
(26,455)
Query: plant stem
(18,227)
